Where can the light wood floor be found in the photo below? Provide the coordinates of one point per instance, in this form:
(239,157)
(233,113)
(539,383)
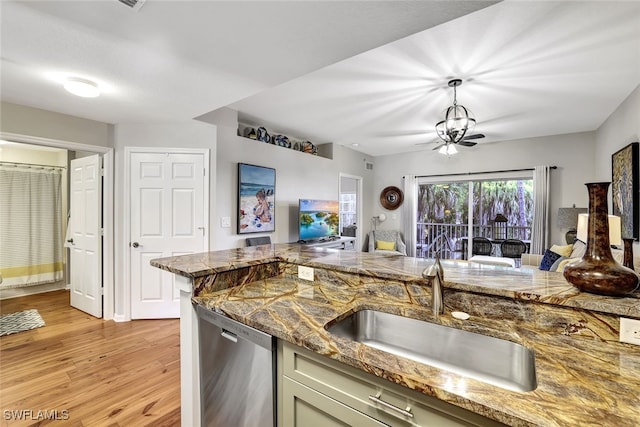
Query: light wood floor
(102,373)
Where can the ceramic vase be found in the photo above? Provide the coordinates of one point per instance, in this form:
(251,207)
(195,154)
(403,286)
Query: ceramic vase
(598,272)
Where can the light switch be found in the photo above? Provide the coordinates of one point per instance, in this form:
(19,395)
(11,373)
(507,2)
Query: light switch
(225,222)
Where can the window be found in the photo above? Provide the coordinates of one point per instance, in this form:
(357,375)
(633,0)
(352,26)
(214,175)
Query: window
(498,207)
(348,205)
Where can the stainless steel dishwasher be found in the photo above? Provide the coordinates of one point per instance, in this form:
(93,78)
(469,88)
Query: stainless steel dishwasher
(237,373)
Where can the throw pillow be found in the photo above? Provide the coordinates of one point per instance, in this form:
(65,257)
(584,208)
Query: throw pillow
(548,259)
(385,246)
(562,250)
(562,264)
(578,249)
(556,265)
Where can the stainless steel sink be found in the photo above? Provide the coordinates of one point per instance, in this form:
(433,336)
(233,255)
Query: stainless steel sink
(492,360)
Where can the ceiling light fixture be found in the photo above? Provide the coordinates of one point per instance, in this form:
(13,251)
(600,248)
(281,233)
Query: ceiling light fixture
(82,87)
(448,149)
(457,120)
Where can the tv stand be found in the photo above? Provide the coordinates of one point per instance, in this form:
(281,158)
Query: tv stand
(346,243)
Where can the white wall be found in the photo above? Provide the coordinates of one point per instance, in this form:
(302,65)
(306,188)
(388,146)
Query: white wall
(573,154)
(621,128)
(298,175)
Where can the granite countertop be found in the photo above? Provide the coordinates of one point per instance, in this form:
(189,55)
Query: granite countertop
(585,377)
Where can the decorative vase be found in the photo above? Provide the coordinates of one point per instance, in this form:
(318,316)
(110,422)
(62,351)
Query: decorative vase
(598,272)
(628,252)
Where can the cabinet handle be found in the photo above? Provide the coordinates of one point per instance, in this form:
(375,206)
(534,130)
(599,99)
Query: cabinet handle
(406,412)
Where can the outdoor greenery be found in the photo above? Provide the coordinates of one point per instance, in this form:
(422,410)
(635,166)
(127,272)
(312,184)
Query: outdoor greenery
(447,203)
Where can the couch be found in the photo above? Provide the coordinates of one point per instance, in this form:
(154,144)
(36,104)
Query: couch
(563,254)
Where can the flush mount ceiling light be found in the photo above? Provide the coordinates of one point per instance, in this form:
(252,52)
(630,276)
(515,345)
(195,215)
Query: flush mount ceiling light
(82,87)
(457,120)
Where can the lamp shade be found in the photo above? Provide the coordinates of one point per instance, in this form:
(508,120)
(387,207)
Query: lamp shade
(568,217)
(615,229)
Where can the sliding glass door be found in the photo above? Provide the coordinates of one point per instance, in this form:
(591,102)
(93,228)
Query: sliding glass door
(451,212)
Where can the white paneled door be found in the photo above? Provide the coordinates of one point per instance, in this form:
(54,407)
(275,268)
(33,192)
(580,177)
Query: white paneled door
(168,205)
(85,241)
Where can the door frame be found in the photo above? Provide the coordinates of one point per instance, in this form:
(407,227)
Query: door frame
(126,226)
(107,153)
(359,186)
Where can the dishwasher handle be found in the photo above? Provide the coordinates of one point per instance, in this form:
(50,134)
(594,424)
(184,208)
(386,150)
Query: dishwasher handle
(228,335)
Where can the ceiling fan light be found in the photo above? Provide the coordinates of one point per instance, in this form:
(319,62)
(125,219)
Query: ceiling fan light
(82,87)
(448,150)
(457,120)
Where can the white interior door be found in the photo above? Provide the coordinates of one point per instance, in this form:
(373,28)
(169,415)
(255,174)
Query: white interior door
(85,240)
(168,202)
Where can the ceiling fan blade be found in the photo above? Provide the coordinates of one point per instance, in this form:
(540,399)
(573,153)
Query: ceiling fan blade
(474,136)
(437,147)
(466,143)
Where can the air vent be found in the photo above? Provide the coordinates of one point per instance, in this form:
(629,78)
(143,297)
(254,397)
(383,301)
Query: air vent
(368,166)
(133,4)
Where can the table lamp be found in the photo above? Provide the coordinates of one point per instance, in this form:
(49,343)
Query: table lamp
(568,218)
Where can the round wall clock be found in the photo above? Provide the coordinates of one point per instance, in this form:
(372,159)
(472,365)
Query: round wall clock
(391,198)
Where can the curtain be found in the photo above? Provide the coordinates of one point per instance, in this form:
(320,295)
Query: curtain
(410,213)
(540,231)
(31,247)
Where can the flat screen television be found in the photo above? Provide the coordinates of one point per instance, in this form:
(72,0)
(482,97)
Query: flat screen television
(318,219)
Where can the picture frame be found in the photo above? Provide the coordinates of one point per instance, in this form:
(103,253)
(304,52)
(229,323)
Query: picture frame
(624,188)
(256,199)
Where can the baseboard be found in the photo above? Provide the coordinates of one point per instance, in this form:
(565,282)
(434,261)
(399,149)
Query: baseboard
(30,290)
(120,318)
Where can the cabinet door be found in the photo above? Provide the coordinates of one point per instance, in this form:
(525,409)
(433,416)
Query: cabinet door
(304,407)
(396,405)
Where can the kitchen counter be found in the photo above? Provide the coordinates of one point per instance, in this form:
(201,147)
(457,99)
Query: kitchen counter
(585,377)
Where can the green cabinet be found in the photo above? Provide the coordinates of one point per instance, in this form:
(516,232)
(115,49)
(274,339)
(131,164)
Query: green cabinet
(317,391)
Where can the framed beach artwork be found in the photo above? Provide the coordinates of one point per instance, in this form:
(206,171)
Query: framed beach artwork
(256,199)
(624,189)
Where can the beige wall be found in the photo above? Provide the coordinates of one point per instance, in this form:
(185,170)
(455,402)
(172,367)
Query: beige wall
(24,120)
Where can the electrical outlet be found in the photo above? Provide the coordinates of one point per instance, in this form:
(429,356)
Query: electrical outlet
(305,273)
(630,331)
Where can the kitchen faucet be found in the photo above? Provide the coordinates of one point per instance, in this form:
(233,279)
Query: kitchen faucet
(435,272)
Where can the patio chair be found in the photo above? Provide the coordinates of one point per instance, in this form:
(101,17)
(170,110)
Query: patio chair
(481,246)
(513,248)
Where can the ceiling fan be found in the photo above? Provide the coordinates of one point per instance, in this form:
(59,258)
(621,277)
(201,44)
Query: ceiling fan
(457,124)
(465,142)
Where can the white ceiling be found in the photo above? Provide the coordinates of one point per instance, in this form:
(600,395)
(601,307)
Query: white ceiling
(175,60)
(368,72)
(529,69)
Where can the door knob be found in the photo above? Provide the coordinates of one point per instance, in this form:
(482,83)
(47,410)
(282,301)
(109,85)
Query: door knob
(135,244)
(70,241)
